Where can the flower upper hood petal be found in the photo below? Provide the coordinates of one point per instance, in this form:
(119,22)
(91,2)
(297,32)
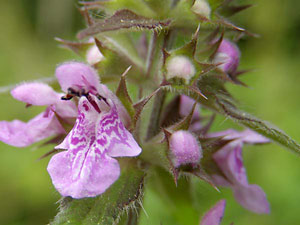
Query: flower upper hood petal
(77,75)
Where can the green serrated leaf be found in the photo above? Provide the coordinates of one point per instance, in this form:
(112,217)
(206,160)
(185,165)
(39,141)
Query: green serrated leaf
(123,19)
(107,208)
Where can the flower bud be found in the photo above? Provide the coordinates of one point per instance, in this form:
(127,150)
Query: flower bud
(93,55)
(228,54)
(184,149)
(201,7)
(180,67)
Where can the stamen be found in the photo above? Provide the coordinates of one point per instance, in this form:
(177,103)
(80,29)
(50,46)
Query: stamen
(93,103)
(74,93)
(67,97)
(100,97)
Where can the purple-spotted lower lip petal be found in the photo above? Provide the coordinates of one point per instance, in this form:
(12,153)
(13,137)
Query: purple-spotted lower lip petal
(215,214)
(21,134)
(113,137)
(35,94)
(252,197)
(84,128)
(87,169)
(84,170)
(97,173)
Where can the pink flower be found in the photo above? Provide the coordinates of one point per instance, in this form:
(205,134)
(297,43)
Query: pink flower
(46,124)
(88,168)
(230,161)
(82,77)
(184,148)
(215,215)
(228,54)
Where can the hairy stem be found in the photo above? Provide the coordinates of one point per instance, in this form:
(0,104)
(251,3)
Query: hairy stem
(158,43)
(153,127)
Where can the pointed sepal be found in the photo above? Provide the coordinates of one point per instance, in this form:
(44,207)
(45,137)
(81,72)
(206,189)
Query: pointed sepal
(185,123)
(228,9)
(139,106)
(122,94)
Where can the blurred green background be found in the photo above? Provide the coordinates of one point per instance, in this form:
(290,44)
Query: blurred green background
(28,52)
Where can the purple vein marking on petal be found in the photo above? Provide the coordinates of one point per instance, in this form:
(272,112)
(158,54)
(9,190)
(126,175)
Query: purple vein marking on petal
(82,136)
(111,131)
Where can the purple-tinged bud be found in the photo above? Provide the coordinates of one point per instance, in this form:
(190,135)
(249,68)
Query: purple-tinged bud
(180,67)
(228,54)
(93,55)
(184,148)
(201,8)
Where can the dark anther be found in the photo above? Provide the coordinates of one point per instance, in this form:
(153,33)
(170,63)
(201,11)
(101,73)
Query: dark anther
(67,97)
(73,93)
(93,103)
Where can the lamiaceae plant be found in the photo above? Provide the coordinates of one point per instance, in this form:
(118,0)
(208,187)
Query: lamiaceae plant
(175,56)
